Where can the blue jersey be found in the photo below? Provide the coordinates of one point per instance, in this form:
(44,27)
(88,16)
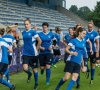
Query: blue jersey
(46,41)
(10,40)
(29,39)
(93,35)
(76,46)
(85,40)
(99,43)
(3,51)
(67,38)
(57,38)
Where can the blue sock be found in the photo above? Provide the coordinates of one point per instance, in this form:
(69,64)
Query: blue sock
(7,71)
(70,85)
(36,77)
(92,73)
(8,76)
(4,82)
(56,60)
(48,74)
(78,80)
(28,71)
(61,82)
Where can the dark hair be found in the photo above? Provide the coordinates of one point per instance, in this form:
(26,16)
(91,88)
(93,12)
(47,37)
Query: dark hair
(2,31)
(27,19)
(51,30)
(78,25)
(16,23)
(71,28)
(45,24)
(79,30)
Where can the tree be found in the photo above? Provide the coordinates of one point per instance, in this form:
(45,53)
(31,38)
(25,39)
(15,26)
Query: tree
(73,9)
(95,15)
(83,12)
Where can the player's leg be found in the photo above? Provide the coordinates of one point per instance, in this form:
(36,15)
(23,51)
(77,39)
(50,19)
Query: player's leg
(26,60)
(68,70)
(3,68)
(34,65)
(92,66)
(42,63)
(7,71)
(48,70)
(75,75)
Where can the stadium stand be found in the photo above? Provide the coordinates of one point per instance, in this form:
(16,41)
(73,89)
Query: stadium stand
(11,13)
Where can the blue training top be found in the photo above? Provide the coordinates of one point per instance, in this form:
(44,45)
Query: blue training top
(76,46)
(93,35)
(3,51)
(29,47)
(85,40)
(10,40)
(67,38)
(46,41)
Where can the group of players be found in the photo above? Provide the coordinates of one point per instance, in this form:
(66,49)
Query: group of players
(80,46)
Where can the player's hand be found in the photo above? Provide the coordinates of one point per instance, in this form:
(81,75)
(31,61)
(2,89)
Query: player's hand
(97,54)
(57,46)
(91,52)
(42,48)
(74,53)
(50,48)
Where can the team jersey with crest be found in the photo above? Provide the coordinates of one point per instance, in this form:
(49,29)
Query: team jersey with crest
(46,41)
(29,39)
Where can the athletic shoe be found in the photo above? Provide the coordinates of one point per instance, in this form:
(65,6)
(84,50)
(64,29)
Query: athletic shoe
(29,77)
(91,81)
(13,87)
(56,89)
(54,66)
(78,86)
(47,83)
(35,87)
(42,72)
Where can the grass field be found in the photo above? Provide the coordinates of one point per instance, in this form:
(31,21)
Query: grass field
(20,81)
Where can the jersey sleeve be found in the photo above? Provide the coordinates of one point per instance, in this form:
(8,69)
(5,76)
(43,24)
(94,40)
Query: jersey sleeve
(13,40)
(71,43)
(96,36)
(3,43)
(34,34)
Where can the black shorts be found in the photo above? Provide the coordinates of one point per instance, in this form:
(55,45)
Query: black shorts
(72,67)
(9,59)
(56,52)
(65,57)
(3,67)
(31,61)
(45,59)
(85,62)
(92,57)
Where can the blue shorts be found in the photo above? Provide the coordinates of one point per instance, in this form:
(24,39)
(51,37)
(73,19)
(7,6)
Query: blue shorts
(31,61)
(45,59)
(3,67)
(72,67)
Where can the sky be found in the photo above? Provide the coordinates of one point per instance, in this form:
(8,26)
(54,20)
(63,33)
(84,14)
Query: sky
(81,3)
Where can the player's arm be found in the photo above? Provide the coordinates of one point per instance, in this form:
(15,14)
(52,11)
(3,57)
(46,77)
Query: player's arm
(39,42)
(10,49)
(90,44)
(68,50)
(97,47)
